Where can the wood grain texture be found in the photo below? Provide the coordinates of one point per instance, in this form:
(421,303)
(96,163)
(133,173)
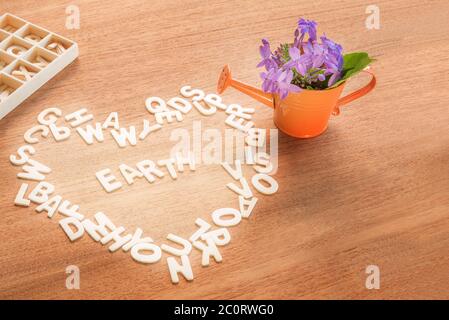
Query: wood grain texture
(373,189)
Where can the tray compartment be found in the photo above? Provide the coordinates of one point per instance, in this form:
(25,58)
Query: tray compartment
(16,46)
(10,23)
(5,60)
(24,71)
(8,85)
(3,35)
(56,44)
(32,33)
(40,57)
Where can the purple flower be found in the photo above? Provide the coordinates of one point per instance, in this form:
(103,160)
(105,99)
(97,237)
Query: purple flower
(334,56)
(331,46)
(302,64)
(335,76)
(279,81)
(265,53)
(309,64)
(277,58)
(269,80)
(333,59)
(315,52)
(296,41)
(284,84)
(309,27)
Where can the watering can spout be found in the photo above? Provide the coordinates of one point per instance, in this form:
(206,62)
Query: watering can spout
(225,80)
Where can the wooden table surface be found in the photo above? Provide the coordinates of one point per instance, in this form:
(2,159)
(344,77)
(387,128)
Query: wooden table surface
(372,190)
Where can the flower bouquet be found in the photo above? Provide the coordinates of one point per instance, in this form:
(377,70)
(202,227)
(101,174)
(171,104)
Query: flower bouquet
(303,80)
(307,63)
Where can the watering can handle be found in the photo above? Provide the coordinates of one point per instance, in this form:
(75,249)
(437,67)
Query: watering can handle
(356,94)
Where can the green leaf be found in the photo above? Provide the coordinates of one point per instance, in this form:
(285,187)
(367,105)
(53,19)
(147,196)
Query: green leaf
(353,63)
(284,52)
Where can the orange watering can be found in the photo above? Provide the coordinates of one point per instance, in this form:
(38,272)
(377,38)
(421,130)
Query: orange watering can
(304,114)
